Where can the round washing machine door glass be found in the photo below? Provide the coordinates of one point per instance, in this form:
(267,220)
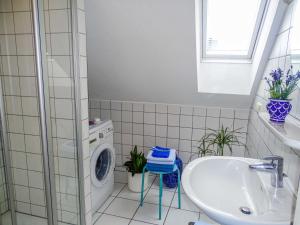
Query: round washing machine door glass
(102,164)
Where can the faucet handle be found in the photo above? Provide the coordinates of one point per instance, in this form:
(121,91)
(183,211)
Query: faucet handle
(273,158)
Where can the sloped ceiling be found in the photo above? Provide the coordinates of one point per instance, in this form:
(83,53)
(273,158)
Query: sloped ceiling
(141,50)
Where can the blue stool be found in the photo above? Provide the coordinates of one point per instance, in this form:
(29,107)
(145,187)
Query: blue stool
(161,173)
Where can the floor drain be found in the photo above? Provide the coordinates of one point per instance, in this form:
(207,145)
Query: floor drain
(245,210)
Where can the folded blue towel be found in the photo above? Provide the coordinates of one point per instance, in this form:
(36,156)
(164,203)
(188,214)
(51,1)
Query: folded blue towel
(160,153)
(160,148)
(161,160)
(159,168)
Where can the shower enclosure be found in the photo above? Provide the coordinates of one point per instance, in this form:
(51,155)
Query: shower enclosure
(43,104)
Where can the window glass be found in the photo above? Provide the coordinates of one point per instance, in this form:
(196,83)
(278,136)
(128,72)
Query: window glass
(231,26)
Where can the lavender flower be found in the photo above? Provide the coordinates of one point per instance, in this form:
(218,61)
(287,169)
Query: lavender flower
(276,74)
(280,89)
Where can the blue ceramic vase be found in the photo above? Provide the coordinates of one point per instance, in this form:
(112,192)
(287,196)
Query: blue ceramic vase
(278,110)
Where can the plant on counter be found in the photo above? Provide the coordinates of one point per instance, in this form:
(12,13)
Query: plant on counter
(135,168)
(280,87)
(218,139)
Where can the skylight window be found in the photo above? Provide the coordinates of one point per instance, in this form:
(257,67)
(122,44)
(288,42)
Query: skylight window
(231,27)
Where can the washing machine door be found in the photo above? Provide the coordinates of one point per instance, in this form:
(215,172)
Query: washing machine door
(102,164)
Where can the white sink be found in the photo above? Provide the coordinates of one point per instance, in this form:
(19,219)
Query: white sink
(219,186)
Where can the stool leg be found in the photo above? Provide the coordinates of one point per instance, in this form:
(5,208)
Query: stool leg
(142,188)
(160,193)
(179,184)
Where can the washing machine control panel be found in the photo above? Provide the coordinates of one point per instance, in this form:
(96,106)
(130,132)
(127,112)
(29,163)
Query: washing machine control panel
(103,133)
(100,133)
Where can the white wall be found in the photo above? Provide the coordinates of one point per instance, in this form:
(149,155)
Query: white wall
(142,50)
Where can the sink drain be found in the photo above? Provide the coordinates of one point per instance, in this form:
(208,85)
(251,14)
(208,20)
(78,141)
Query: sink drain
(245,210)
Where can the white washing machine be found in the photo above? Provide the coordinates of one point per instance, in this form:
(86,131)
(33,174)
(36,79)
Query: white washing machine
(102,165)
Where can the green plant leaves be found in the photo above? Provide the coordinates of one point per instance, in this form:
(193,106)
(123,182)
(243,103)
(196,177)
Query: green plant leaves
(137,162)
(220,139)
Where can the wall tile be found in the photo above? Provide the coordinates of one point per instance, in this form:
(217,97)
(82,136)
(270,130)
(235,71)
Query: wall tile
(161,108)
(212,123)
(173,109)
(149,107)
(173,120)
(198,122)
(213,112)
(56,18)
(149,118)
(161,119)
(186,121)
(186,110)
(23,24)
(25,44)
(173,132)
(23,5)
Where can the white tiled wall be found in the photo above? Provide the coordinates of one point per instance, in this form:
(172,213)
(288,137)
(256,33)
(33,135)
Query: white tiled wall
(176,126)
(261,141)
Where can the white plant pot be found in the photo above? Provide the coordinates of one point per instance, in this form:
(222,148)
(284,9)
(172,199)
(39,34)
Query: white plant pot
(135,182)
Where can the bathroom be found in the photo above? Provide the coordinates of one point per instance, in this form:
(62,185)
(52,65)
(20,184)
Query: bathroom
(86,85)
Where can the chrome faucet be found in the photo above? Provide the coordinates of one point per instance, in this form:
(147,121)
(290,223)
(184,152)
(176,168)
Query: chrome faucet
(275,167)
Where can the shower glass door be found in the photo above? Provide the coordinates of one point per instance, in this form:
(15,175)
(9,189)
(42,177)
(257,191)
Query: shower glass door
(22,116)
(37,78)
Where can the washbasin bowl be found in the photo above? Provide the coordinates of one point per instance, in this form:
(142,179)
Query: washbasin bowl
(227,191)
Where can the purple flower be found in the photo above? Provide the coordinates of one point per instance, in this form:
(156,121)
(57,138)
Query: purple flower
(289,78)
(282,85)
(276,74)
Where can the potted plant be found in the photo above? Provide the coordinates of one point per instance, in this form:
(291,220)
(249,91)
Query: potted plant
(280,88)
(215,142)
(135,168)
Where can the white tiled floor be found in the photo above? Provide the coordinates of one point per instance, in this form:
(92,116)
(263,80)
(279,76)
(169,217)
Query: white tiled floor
(122,208)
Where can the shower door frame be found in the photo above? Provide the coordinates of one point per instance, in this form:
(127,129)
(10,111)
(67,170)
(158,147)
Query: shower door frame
(44,108)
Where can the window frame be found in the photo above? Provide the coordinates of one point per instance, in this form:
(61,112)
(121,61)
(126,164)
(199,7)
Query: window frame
(254,38)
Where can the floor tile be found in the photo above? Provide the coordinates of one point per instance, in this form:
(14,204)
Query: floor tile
(151,178)
(134,222)
(122,207)
(112,220)
(156,185)
(206,219)
(181,189)
(153,197)
(180,217)
(149,213)
(117,188)
(105,204)
(186,203)
(126,193)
